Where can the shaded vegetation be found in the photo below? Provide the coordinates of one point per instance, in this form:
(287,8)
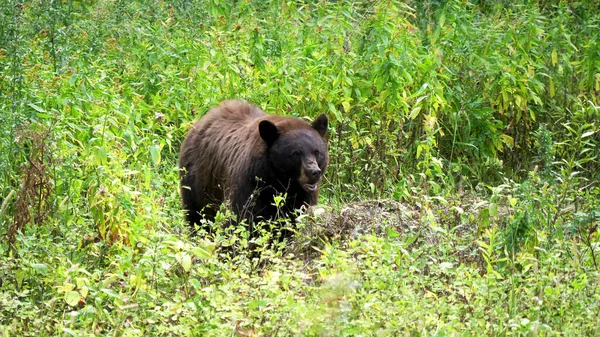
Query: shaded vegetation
(474,125)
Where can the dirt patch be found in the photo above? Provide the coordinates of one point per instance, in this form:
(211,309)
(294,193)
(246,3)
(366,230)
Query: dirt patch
(374,217)
(457,220)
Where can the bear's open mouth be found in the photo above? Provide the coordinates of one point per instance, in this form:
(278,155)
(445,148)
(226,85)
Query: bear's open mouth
(310,187)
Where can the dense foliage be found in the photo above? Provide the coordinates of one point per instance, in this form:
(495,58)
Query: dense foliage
(482,116)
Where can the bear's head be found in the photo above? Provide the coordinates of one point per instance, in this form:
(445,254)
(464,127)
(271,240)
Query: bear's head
(297,150)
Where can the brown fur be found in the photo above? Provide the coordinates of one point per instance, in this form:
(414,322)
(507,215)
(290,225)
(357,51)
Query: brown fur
(220,152)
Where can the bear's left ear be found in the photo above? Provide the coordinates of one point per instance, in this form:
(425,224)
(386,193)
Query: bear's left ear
(320,124)
(268,132)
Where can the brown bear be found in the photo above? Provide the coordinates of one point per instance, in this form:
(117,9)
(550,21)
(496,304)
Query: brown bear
(239,153)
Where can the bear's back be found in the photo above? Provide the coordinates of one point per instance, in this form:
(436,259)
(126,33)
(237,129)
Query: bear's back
(232,113)
(221,145)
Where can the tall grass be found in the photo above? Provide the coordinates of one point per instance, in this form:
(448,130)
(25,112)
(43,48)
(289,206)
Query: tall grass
(482,115)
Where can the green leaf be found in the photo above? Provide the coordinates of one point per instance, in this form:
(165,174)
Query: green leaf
(493,209)
(336,112)
(82,286)
(484,217)
(256,304)
(70,332)
(186,262)
(446,265)
(346,106)
(40,268)
(415,112)
(72,298)
(506,139)
(155,154)
(204,252)
(37,108)
(391,233)
(110,292)
(410,240)
(587,134)
(442,20)
(195,283)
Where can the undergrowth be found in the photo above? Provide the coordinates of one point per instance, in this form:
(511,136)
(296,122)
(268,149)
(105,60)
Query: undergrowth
(462,196)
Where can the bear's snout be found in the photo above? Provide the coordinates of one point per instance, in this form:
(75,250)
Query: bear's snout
(309,178)
(314,173)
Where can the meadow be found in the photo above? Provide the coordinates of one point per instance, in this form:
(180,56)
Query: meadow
(462,196)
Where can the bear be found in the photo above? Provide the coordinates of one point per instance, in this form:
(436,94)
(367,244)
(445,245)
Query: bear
(240,154)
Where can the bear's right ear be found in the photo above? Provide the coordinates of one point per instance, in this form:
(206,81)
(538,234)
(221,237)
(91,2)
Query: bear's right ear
(268,132)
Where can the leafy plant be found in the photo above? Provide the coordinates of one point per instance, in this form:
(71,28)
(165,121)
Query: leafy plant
(479,117)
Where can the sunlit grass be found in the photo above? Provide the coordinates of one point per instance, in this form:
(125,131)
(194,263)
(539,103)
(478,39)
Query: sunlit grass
(472,127)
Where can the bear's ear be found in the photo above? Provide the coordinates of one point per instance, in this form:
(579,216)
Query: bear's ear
(268,132)
(320,124)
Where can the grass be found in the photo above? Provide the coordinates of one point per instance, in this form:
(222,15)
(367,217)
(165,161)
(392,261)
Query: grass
(455,204)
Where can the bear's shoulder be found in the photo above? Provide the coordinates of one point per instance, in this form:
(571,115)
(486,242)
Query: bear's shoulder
(238,109)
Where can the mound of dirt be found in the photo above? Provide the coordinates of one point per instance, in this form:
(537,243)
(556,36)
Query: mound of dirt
(323,224)
(374,217)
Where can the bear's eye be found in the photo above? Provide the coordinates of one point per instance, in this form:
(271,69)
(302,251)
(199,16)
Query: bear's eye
(296,154)
(317,153)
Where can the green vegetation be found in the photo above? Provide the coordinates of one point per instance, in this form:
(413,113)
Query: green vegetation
(473,127)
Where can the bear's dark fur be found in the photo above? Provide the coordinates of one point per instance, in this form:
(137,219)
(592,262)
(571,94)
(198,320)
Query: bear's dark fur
(237,152)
